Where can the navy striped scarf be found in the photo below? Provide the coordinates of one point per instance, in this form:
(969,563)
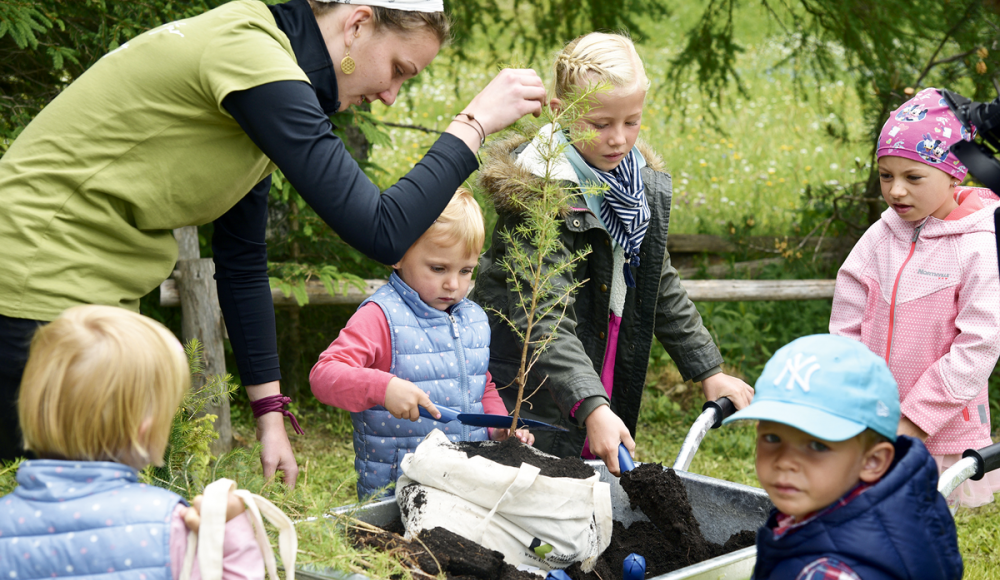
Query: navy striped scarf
(625,211)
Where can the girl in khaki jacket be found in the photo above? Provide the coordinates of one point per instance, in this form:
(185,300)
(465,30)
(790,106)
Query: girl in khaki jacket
(594,369)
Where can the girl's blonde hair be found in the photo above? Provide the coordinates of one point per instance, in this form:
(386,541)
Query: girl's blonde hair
(461,222)
(93,376)
(599,57)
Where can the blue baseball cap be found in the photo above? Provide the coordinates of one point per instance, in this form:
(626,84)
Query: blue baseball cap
(828,386)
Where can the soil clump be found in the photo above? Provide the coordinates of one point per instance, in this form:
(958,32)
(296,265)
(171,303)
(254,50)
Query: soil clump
(672,538)
(438,551)
(513,453)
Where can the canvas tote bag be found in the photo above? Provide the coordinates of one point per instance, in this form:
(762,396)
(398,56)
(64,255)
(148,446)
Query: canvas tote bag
(211,534)
(532,519)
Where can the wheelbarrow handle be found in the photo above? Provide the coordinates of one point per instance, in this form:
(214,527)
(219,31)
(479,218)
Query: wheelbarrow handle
(712,415)
(987,459)
(723,406)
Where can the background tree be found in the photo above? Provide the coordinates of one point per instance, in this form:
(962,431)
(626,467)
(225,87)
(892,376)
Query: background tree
(892,49)
(46,44)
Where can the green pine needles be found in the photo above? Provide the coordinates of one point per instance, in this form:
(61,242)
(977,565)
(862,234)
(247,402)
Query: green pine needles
(537,262)
(188,465)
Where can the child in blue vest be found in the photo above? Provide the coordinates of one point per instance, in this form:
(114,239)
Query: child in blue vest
(852,499)
(96,404)
(417,342)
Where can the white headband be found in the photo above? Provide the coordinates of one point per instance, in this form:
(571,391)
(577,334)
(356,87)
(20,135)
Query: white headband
(405,5)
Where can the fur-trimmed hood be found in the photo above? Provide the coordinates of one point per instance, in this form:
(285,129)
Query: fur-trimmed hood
(504,179)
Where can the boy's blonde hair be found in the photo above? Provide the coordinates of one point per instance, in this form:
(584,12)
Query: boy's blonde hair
(93,376)
(870,438)
(599,57)
(460,223)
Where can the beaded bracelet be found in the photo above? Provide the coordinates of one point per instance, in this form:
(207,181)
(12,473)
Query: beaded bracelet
(275,403)
(478,126)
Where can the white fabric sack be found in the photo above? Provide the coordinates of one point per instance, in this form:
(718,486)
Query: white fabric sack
(211,533)
(533,520)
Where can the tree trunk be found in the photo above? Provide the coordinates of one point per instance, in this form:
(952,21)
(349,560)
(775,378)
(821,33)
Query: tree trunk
(201,318)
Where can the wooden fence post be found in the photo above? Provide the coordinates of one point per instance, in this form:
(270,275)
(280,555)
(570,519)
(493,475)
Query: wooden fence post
(201,318)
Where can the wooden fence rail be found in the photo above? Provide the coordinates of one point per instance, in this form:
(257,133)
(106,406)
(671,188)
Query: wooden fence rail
(677,244)
(698,291)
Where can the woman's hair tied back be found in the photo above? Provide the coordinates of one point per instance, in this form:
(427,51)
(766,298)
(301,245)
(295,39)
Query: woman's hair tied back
(400,16)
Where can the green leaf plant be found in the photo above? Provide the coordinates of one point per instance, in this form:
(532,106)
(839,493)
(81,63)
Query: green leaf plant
(536,262)
(187,462)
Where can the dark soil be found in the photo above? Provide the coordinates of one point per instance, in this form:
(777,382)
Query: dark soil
(672,538)
(513,453)
(439,551)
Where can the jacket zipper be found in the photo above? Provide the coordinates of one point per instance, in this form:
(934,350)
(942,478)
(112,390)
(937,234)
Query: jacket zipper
(895,288)
(463,378)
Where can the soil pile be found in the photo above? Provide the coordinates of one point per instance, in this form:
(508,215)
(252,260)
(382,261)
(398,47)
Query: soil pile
(513,453)
(672,538)
(439,551)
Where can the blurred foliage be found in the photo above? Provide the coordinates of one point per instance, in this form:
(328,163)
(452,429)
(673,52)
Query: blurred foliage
(892,48)
(534,26)
(46,44)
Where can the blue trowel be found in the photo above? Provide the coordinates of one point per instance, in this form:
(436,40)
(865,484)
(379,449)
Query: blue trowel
(487,420)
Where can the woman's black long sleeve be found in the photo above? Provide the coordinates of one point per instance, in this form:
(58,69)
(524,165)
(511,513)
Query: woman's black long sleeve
(285,120)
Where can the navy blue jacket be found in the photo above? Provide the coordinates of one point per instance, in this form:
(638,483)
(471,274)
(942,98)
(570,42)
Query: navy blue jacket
(900,528)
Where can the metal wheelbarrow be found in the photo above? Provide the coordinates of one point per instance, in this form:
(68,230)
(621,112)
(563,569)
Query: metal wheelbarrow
(722,508)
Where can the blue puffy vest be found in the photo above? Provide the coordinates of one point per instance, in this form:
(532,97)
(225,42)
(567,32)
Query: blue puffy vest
(900,528)
(86,519)
(447,355)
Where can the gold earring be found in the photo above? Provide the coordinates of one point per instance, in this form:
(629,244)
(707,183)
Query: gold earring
(347,64)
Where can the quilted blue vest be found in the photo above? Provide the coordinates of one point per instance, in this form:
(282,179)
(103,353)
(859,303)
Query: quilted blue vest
(88,519)
(900,528)
(446,355)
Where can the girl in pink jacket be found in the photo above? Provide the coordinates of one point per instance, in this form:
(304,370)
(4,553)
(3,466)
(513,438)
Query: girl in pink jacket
(921,288)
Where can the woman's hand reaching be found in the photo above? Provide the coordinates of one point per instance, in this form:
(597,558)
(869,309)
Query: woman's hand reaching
(512,94)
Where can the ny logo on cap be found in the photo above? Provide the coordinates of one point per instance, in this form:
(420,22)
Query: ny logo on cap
(794,376)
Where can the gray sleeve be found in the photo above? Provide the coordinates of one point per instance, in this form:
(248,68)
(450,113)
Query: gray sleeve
(679,328)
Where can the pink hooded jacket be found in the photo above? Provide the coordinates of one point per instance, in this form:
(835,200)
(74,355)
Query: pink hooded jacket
(926,297)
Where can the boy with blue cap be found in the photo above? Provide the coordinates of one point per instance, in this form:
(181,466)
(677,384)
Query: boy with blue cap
(853,500)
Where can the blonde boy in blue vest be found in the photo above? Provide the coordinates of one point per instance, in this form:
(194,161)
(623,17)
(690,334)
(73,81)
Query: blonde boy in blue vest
(417,342)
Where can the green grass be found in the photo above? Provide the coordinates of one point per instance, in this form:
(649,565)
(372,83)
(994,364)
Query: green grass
(750,168)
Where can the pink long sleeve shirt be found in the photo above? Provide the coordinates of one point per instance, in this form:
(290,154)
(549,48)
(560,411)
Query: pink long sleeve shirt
(929,303)
(353,372)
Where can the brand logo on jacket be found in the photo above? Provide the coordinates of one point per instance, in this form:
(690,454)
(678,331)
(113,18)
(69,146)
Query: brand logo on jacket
(937,275)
